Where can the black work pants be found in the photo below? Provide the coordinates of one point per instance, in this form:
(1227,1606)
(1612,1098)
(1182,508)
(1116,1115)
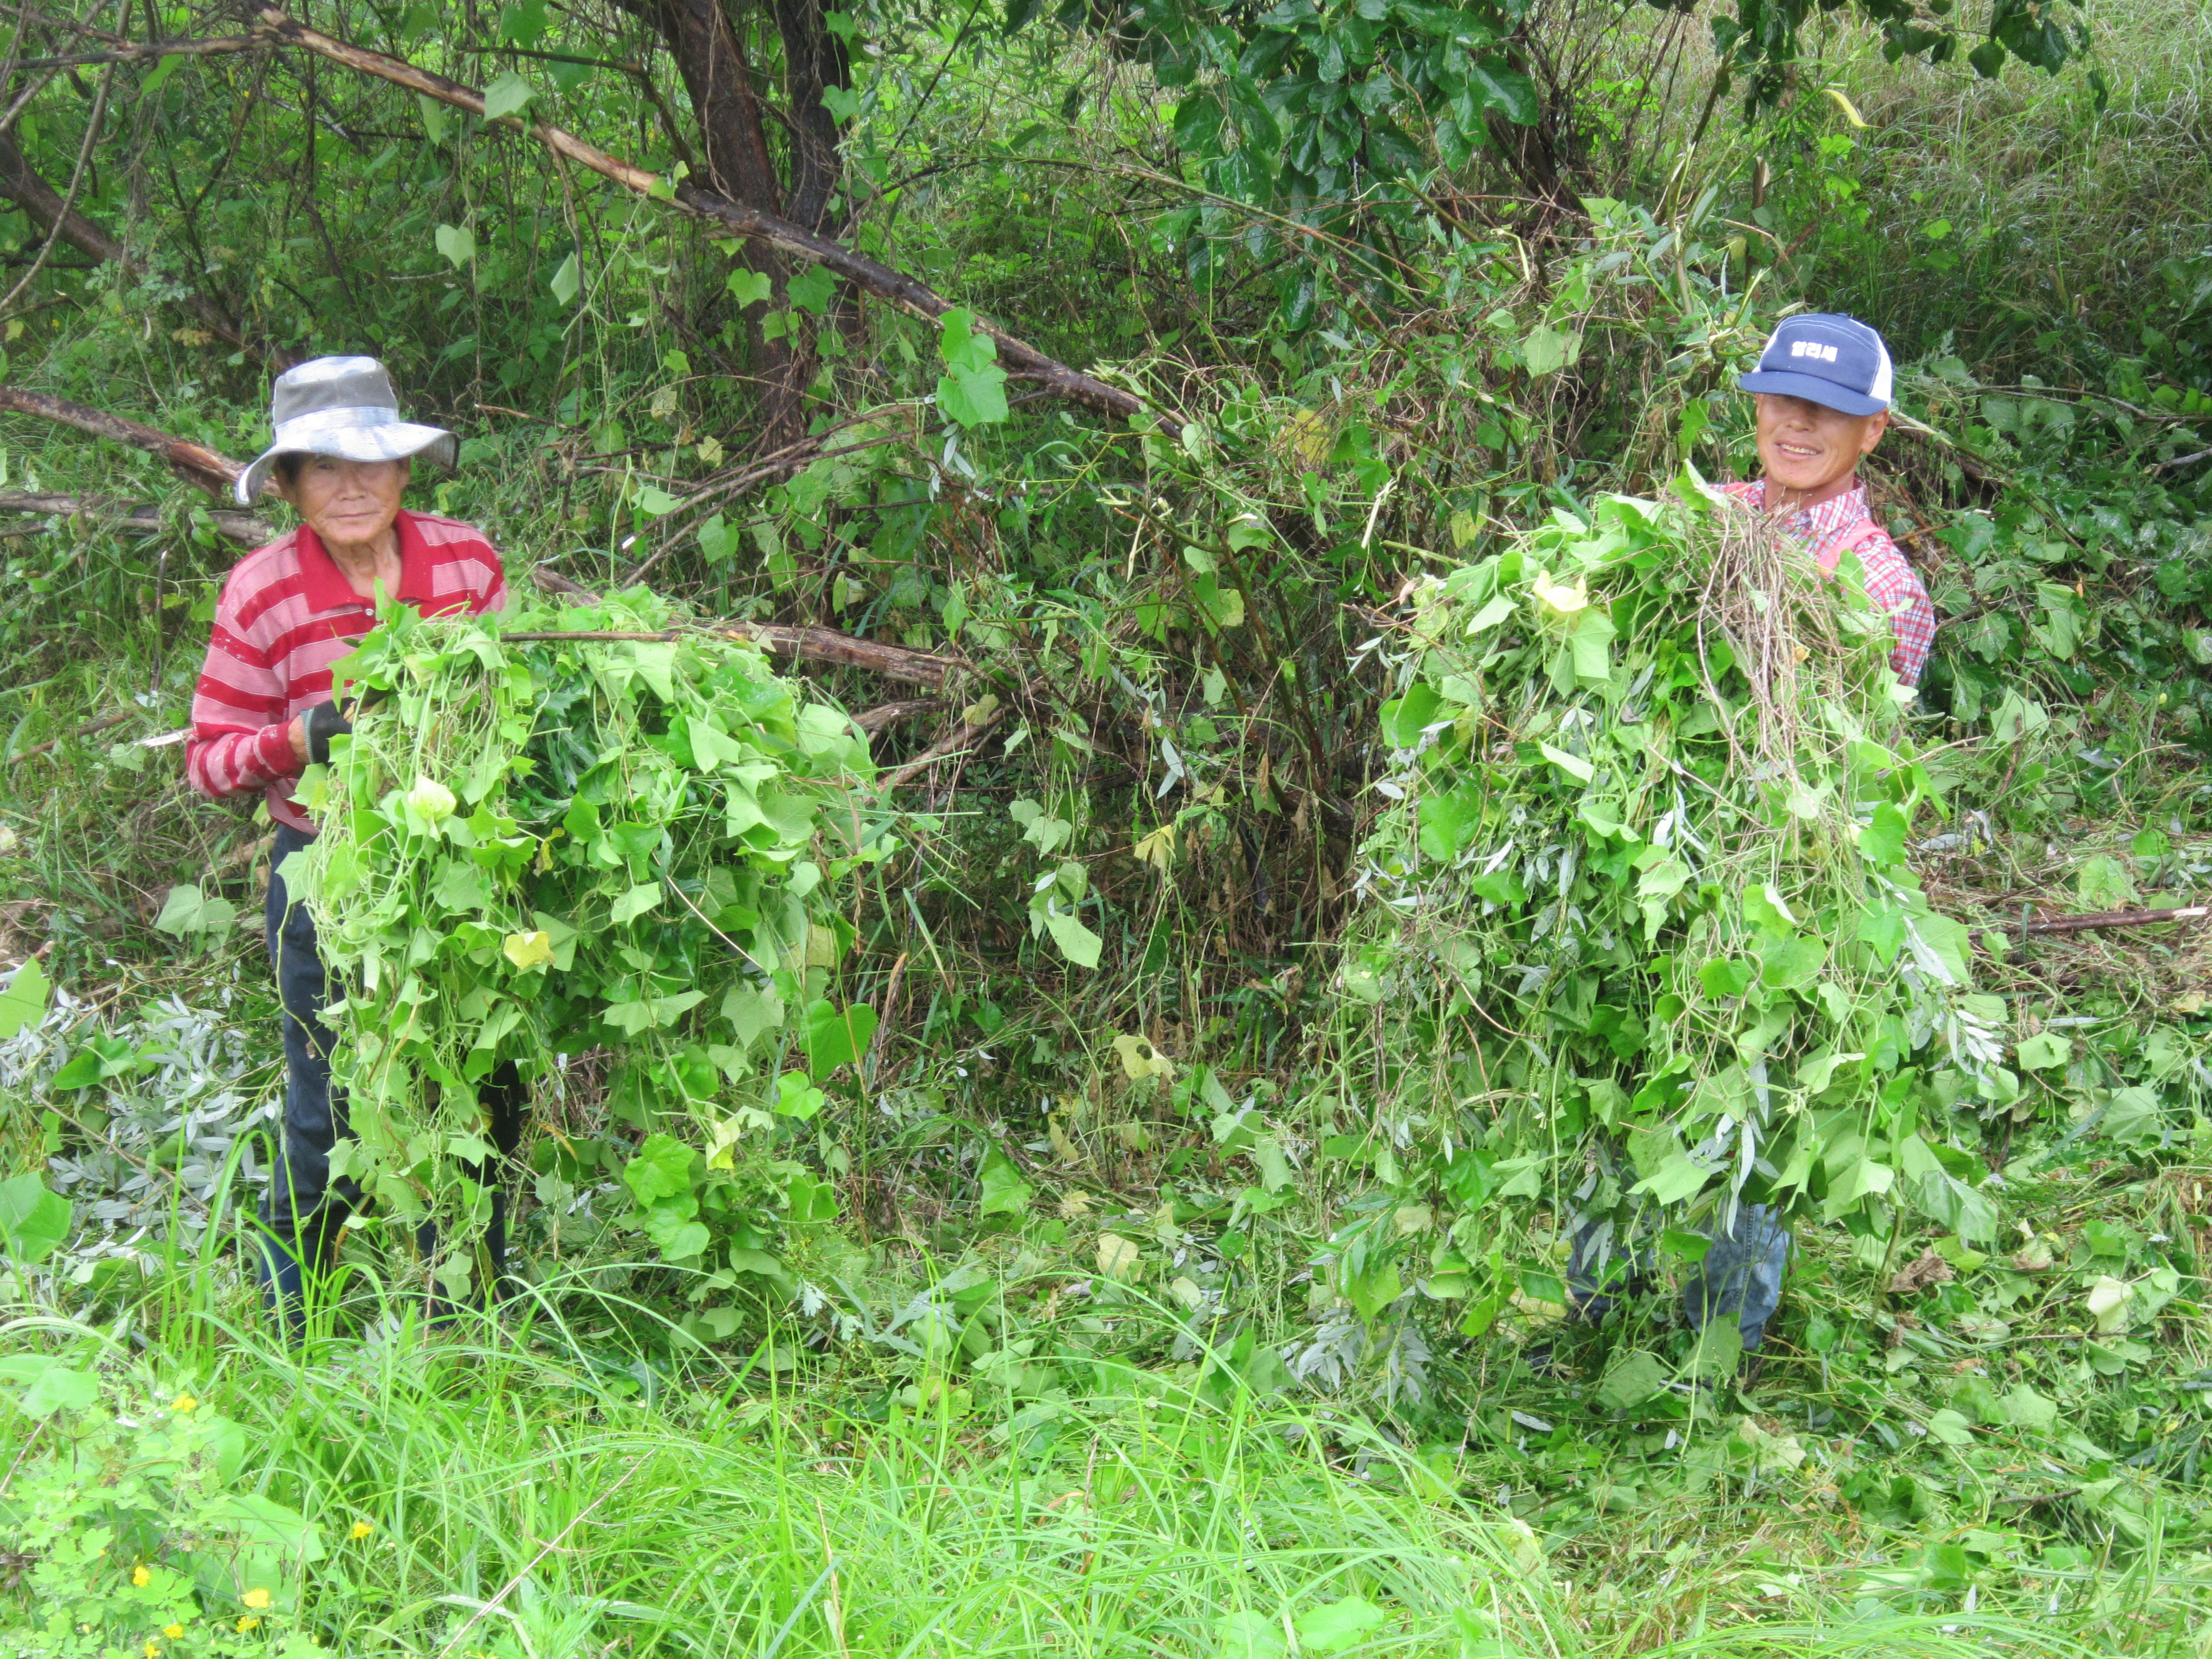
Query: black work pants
(305,1207)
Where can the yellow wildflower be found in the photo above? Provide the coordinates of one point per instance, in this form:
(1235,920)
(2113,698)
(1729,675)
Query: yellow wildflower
(140,1577)
(152,1648)
(256,1599)
(245,1624)
(360,1529)
(174,1632)
(183,1403)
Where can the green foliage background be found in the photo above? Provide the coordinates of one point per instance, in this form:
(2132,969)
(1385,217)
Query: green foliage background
(1193,1063)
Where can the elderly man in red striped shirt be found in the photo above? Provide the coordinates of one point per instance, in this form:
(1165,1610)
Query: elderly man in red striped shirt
(264,710)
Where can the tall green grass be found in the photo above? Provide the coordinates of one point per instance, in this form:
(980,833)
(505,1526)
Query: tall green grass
(481,1498)
(2059,213)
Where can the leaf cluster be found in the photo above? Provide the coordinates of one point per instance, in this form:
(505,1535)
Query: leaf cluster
(536,846)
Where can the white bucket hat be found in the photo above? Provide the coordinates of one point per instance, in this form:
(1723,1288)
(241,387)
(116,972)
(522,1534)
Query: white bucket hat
(341,406)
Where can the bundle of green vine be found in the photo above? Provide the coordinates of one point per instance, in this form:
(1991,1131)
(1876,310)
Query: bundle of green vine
(538,845)
(1640,943)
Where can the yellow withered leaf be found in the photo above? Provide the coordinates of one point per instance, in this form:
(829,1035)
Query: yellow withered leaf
(1117,1256)
(1309,438)
(528,950)
(1156,849)
(1140,1060)
(1850,110)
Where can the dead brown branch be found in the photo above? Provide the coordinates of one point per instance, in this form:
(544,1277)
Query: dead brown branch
(107,723)
(216,46)
(194,462)
(883,716)
(895,662)
(2104,921)
(958,741)
(140,517)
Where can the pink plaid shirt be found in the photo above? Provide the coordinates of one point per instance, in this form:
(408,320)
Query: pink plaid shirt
(1890,582)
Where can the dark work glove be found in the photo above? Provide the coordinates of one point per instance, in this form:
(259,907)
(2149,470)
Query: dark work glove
(323,721)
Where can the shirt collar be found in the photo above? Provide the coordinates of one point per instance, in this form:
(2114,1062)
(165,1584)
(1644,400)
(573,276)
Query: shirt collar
(1837,513)
(329,590)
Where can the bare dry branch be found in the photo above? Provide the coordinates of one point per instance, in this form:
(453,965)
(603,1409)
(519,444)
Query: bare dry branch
(958,741)
(194,462)
(236,526)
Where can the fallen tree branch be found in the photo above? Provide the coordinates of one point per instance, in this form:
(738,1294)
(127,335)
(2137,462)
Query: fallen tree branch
(195,462)
(894,287)
(883,716)
(106,723)
(215,46)
(2104,921)
(549,580)
(237,526)
(895,662)
(958,741)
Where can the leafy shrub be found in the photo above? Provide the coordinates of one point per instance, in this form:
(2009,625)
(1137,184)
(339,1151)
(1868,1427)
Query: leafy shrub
(125,1528)
(1642,941)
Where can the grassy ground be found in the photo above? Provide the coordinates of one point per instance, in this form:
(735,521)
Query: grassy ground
(478,1495)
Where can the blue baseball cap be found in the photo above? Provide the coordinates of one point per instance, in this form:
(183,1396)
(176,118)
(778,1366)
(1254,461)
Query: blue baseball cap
(1835,361)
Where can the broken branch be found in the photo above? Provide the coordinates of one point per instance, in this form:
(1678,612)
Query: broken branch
(2104,920)
(195,462)
(107,723)
(894,662)
(883,716)
(237,526)
(957,741)
(892,286)
(215,46)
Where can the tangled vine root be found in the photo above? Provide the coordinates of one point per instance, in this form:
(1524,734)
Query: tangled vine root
(1766,598)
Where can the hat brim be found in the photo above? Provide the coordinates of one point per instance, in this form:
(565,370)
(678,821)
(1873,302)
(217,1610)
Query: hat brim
(386,441)
(1813,389)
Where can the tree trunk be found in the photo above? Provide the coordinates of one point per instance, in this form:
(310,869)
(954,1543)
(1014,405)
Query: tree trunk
(813,61)
(711,58)
(711,61)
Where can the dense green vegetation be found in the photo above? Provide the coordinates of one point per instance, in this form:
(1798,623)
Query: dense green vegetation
(1097,1168)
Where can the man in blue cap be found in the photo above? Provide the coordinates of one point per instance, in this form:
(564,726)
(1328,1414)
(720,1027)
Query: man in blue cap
(1823,389)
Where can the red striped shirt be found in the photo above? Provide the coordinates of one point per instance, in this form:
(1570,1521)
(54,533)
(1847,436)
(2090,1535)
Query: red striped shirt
(288,613)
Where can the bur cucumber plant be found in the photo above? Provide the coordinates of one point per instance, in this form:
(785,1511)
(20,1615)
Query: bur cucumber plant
(552,851)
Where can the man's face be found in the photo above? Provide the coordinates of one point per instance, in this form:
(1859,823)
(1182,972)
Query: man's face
(1809,448)
(351,503)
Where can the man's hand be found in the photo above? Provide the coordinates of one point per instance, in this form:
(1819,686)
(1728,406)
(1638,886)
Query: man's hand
(312,732)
